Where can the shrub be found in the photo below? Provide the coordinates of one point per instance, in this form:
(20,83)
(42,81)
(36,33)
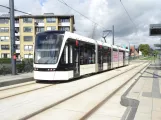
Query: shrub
(5,60)
(20,67)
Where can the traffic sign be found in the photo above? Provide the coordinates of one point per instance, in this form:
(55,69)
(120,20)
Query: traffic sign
(155,30)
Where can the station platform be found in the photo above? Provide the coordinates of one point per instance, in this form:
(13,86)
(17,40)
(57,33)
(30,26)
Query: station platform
(143,98)
(15,79)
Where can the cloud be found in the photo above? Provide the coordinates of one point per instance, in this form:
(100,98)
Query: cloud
(106,13)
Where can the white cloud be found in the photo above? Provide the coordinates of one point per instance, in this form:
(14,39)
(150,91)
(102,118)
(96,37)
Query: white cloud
(104,12)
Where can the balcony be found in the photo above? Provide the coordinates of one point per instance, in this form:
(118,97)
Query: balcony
(64,24)
(17,25)
(17,42)
(41,24)
(17,51)
(17,34)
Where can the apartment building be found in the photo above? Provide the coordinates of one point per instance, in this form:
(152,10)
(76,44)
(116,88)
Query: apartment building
(26,27)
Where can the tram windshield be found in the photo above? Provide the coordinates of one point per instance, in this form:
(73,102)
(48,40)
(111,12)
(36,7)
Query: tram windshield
(47,48)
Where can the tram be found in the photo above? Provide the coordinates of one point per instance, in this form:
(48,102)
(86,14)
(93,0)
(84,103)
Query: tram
(62,55)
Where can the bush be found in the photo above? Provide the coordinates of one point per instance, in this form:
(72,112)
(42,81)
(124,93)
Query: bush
(20,67)
(25,65)
(5,60)
(28,60)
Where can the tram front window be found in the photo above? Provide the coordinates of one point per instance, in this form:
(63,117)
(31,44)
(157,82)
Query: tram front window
(47,48)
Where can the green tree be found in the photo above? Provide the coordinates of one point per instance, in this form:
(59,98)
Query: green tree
(155,52)
(145,49)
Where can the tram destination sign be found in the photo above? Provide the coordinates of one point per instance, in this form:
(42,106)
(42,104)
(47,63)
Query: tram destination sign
(155,30)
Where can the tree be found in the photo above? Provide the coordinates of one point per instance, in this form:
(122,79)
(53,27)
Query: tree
(155,52)
(145,49)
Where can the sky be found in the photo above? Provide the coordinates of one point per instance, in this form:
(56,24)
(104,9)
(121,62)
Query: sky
(105,13)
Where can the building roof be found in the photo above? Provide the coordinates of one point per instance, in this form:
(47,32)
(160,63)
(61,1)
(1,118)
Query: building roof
(133,51)
(5,16)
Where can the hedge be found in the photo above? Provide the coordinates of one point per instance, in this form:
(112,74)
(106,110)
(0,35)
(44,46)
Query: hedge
(8,60)
(5,60)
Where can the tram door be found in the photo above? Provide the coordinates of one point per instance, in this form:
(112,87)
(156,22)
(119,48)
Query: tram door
(76,61)
(109,58)
(100,58)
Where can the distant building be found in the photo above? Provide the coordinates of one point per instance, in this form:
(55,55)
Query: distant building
(140,53)
(133,51)
(27,27)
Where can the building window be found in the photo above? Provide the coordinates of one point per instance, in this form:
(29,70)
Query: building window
(4,38)
(27,29)
(27,20)
(17,47)
(5,55)
(4,47)
(39,20)
(4,29)
(28,56)
(28,38)
(16,20)
(64,28)
(64,20)
(4,21)
(28,47)
(50,20)
(17,29)
(51,28)
(40,29)
(17,38)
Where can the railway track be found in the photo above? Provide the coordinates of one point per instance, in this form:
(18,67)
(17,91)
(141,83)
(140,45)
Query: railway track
(87,113)
(32,113)
(36,113)
(23,88)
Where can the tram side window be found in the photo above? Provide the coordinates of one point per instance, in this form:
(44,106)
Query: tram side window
(109,55)
(71,53)
(87,54)
(81,54)
(105,54)
(93,54)
(64,58)
(115,55)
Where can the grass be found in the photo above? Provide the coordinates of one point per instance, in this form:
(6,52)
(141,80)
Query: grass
(148,58)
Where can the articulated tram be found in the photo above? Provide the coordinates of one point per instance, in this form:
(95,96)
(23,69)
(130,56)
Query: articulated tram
(60,55)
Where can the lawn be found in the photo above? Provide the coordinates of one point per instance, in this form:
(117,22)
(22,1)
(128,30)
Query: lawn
(148,58)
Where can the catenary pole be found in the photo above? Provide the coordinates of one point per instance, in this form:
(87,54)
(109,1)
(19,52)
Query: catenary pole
(12,36)
(113,35)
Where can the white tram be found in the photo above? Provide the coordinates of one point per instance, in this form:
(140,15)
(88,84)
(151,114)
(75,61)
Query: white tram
(60,55)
